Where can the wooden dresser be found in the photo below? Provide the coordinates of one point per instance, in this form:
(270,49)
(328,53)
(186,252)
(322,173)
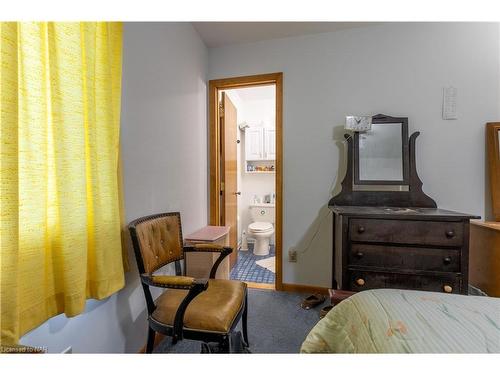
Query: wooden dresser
(387,232)
(404,248)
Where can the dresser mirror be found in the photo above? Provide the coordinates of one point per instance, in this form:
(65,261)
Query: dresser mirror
(381,167)
(381,158)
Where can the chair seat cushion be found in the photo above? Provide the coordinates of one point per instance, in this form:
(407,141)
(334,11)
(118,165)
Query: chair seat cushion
(214,310)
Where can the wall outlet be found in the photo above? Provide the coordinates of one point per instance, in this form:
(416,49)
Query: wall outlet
(68,350)
(292,255)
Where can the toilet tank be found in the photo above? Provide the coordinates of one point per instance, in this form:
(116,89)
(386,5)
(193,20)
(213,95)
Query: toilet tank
(262,212)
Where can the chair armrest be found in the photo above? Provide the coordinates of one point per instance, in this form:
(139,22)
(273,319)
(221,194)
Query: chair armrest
(212,248)
(199,286)
(174,282)
(194,287)
(207,247)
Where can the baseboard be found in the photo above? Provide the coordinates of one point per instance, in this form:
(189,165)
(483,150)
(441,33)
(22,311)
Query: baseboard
(259,285)
(298,288)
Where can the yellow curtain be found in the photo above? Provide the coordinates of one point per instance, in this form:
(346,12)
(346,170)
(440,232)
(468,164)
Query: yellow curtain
(60,237)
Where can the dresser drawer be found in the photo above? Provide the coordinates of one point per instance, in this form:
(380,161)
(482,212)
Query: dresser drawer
(399,257)
(437,233)
(363,280)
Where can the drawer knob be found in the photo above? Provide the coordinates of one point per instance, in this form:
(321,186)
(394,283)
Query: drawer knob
(447,260)
(447,289)
(359,255)
(360,282)
(450,233)
(361,229)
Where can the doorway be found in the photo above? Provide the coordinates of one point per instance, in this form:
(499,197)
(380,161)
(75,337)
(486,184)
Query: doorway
(246,174)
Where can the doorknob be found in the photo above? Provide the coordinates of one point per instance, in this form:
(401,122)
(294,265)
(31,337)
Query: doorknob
(237,193)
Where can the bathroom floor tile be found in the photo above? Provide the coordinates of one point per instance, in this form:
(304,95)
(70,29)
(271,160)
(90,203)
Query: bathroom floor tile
(247,270)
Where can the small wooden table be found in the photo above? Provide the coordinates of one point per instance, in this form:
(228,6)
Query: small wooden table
(198,265)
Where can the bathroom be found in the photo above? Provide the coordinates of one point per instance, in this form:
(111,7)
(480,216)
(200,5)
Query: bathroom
(256,162)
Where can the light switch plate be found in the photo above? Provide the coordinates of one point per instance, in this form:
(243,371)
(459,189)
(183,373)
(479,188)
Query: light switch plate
(450,103)
(358,123)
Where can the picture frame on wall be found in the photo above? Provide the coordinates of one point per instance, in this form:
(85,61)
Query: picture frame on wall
(493,151)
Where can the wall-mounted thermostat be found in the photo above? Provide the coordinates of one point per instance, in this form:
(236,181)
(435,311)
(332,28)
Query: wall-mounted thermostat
(450,103)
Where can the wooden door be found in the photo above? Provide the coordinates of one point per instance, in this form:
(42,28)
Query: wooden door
(229,186)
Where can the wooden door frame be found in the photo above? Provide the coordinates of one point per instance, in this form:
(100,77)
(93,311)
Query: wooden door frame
(215,86)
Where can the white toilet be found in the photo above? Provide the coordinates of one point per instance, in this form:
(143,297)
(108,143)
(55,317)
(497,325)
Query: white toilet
(261,228)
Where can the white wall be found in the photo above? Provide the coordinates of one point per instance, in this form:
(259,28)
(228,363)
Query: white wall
(396,69)
(164,151)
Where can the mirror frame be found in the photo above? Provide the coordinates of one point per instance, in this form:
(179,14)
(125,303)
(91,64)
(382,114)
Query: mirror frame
(383,119)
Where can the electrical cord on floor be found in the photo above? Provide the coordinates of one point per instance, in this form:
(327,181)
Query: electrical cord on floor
(305,249)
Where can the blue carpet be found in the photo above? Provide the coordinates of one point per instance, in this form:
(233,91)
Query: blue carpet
(247,270)
(276,324)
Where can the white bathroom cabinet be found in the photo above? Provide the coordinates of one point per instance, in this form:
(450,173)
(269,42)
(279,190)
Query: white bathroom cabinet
(260,144)
(260,150)
(269,144)
(254,145)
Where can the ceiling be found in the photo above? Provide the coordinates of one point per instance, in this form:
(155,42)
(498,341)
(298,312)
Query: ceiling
(217,34)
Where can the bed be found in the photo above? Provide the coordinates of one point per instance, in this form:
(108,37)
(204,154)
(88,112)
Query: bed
(408,321)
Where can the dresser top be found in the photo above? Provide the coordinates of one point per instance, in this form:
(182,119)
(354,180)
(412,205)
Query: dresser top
(400,212)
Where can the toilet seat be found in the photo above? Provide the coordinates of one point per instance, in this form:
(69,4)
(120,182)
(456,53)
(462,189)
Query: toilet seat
(260,226)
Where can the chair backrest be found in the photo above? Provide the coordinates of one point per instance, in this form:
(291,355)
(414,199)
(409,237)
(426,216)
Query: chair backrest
(157,240)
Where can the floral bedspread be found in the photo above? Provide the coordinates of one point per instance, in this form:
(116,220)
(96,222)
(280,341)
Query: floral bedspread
(407,321)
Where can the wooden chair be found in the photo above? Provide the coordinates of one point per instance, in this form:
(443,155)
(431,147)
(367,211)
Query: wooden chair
(203,310)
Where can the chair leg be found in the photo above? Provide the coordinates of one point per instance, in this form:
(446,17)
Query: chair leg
(226,344)
(151,340)
(244,322)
